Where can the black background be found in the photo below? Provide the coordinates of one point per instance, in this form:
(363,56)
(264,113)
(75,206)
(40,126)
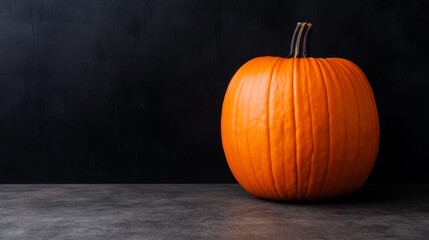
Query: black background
(131,91)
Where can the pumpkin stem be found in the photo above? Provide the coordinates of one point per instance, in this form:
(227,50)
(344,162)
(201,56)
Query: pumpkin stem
(295,47)
(298,42)
(293,41)
(304,42)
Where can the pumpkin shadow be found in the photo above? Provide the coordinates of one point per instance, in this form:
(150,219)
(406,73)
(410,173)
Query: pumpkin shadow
(371,194)
(374,194)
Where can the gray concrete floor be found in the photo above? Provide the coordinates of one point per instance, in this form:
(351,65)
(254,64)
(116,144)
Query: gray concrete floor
(206,211)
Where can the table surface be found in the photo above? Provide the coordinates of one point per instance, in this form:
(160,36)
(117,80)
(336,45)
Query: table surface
(206,211)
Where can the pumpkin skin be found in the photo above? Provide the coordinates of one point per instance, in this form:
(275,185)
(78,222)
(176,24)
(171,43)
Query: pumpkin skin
(300,129)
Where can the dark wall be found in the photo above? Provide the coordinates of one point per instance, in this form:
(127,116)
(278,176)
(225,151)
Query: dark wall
(131,91)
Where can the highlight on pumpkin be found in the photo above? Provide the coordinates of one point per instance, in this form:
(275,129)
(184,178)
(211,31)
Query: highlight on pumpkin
(300,129)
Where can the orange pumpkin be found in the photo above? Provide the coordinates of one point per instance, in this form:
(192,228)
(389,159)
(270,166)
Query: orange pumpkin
(300,128)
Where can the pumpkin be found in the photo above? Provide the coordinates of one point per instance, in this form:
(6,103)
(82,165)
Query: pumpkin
(300,128)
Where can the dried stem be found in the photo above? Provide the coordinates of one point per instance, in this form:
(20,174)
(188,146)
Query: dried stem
(298,40)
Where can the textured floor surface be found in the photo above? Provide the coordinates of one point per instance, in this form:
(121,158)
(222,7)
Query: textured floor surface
(206,211)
